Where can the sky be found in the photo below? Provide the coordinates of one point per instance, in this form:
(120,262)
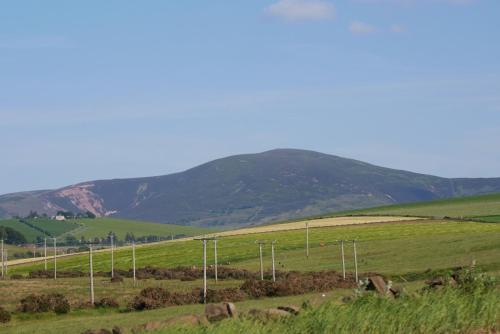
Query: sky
(101,89)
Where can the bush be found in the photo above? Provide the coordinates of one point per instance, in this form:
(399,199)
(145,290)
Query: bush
(107,302)
(44,303)
(62,306)
(4,315)
(117,279)
(150,298)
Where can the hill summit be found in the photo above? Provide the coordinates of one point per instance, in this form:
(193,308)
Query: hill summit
(248,189)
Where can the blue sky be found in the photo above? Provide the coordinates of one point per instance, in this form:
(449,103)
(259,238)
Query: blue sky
(106,89)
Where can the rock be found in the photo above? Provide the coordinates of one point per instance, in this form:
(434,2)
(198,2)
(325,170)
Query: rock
(117,330)
(396,291)
(274,313)
(189,319)
(217,312)
(377,283)
(435,282)
(294,310)
(99,331)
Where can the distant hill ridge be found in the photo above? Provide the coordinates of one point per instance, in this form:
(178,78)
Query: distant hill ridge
(248,189)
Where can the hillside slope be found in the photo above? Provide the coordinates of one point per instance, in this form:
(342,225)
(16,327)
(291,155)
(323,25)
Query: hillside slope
(249,189)
(485,207)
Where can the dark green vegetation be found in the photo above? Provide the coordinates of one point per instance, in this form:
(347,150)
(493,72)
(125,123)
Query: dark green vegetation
(250,189)
(11,236)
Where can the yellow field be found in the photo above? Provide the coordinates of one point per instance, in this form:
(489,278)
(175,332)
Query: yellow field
(325,222)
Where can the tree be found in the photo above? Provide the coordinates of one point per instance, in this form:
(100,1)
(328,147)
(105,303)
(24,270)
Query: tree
(32,215)
(71,240)
(129,237)
(11,236)
(90,215)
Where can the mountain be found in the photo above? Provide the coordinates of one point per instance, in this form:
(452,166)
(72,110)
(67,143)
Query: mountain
(248,189)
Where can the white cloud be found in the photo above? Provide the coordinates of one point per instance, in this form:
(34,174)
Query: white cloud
(397,29)
(302,10)
(362,28)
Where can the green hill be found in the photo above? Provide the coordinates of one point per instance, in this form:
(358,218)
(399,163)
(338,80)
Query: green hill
(486,207)
(100,227)
(34,229)
(29,233)
(249,189)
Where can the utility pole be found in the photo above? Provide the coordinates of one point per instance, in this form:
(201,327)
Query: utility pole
(261,262)
(6,261)
(45,252)
(204,240)
(307,240)
(133,260)
(204,271)
(272,255)
(215,255)
(343,258)
(55,258)
(355,260)
(91,271)
(112,258)
(3,260)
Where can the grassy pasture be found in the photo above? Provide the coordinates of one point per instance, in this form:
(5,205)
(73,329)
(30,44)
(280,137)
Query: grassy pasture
(29,233)
(396,249)
(100,227)
(79,320)
(54,227)
(393,248)
(466,207)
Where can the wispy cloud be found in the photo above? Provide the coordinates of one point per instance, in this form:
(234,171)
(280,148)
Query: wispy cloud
(302,10)
(38,42)
(397,29)
(362,28)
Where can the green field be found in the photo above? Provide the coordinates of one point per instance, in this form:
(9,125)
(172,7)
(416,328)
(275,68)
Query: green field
(53,227)
(465,207)
(100,227)
(395,249)
(29,233)
(405,252)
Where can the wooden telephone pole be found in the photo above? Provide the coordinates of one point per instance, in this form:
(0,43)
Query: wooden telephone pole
(204,240)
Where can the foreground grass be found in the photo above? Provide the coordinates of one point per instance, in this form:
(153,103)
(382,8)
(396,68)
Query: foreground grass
(76,290)
(80,320)
(452,311)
